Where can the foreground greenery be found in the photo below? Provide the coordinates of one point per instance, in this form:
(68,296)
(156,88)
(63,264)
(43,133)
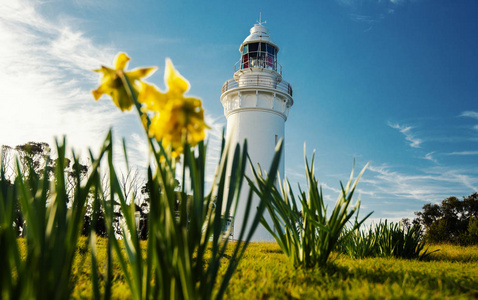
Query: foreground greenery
(265,272)
(384,240)
(307,235)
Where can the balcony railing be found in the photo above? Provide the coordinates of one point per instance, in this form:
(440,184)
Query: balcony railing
(258,81)
(258,62)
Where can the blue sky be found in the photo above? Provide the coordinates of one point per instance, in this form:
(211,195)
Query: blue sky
(393,82)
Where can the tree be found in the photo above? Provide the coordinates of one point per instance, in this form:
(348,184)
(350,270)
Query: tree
(36,165)
(34,156)
(451,221)
(36,161)
(7,162)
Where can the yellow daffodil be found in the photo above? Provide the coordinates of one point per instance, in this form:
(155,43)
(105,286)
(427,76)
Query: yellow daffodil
(112,83)
(176,116)
(175,83)
(175,119)
(180,118)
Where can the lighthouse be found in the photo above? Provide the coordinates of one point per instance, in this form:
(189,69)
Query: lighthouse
(256,104)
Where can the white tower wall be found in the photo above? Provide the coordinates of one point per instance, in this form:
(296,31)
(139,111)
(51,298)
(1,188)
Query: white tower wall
(262,131)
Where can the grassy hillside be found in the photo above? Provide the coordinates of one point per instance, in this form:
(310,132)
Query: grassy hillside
(265,273)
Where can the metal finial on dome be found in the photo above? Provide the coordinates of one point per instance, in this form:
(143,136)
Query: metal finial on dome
(260,19)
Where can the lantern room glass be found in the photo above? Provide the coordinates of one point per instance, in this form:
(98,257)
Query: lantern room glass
(259,55)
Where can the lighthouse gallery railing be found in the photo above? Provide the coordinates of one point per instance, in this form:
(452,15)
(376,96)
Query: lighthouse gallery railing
(258,81)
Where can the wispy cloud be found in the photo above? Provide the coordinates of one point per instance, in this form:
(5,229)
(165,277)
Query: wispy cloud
(463,153)
(295,174)
(428,185)
(429,156)
(407,132)
(332,189)
(471,114)
(370,12)
(46,80)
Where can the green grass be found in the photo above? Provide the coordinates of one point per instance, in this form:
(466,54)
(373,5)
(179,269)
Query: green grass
(266,273)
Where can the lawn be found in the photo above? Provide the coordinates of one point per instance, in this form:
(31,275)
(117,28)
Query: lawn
(265,273)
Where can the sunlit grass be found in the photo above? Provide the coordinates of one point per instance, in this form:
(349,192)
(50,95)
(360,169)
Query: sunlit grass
(454,253)
(265,272)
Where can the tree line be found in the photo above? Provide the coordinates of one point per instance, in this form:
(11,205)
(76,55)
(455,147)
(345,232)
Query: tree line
(452,220)
(36,163)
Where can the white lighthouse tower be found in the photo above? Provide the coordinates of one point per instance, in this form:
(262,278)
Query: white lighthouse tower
(256,105)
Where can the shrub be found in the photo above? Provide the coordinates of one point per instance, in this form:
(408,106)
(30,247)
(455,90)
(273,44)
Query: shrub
(307,237)
(358,243)
(385,240)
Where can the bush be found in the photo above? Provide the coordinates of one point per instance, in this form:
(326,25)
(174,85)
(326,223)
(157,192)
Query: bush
(385,240)
(307,237)
(358,243)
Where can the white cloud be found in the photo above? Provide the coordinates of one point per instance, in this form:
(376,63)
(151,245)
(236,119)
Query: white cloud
(406,130)
(46,80)
(429,156)
(370,12)
(471,114)
(463,153)
(327,187)
(295,174)
(429,185)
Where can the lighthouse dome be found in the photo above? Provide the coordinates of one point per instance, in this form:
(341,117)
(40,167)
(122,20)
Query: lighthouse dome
(258,33)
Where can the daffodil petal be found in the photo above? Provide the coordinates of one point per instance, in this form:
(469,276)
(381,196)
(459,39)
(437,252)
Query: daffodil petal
(140,73)
(152,97)
(102,89)
(97,94)
(173,80)
(121,61)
